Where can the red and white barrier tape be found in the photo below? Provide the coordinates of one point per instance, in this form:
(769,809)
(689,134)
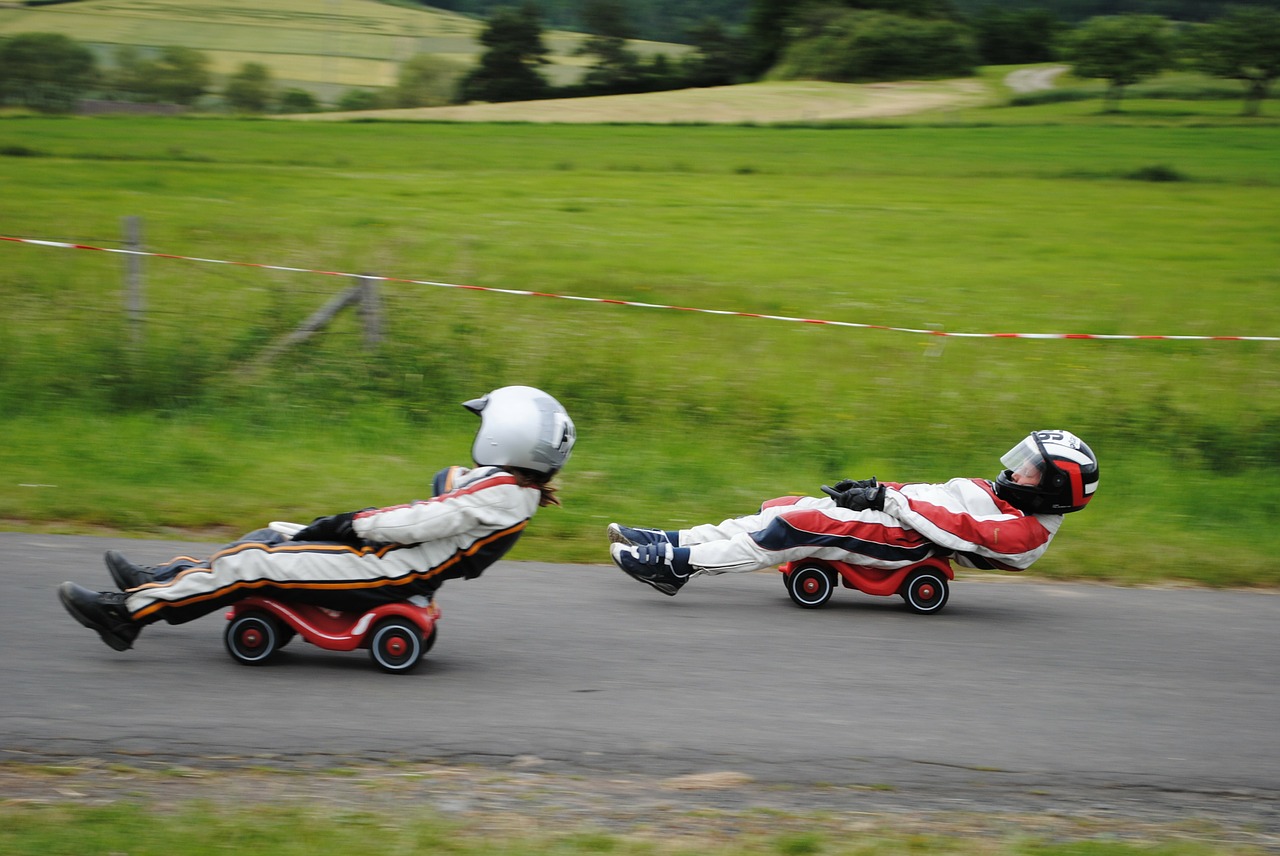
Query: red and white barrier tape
(523,293)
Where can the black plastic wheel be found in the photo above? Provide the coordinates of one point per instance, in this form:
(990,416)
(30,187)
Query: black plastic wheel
(925,592)
(810,586)
(252,638)
(396,645)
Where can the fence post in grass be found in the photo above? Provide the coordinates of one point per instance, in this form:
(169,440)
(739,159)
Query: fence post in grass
(318,321)
(371,312)
(134,300)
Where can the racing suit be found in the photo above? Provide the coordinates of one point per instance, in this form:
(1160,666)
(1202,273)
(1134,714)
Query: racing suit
(962,519)
(406,550)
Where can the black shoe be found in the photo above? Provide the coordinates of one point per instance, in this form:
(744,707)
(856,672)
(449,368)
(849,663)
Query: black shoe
(649,566)
(104,612)
(126,574)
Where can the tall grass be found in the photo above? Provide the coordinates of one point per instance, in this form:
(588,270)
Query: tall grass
(683,417)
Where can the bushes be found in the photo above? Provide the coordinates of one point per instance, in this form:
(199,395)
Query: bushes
(45,71)
(855,46)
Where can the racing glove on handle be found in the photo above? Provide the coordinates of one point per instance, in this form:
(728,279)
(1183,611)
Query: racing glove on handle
(336,527)
(845,484)
(858,495)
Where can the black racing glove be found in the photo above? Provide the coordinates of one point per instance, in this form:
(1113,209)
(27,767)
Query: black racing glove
(337,527)
(845,484)
(857,495)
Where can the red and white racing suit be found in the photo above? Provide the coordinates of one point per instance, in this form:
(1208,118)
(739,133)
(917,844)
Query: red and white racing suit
(408,550)
(962,519)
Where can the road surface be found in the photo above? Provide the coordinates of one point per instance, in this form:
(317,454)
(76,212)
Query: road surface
(1019,691)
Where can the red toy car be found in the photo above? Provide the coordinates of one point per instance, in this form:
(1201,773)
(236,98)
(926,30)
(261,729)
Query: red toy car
(924,586)
(396,634)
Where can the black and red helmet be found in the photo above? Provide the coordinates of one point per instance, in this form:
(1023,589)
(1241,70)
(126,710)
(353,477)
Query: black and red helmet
(1067,467)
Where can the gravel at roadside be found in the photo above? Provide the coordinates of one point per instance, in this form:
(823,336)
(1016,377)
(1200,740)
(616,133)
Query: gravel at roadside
(527,795)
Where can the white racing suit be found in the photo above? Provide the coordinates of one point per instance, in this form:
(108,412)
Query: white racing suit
(962,519)
(407,550)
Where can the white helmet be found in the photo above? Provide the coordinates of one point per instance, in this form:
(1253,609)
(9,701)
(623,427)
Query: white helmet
(1067,470)
(524,427)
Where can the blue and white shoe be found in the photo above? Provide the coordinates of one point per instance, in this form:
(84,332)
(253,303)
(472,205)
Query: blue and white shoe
(629,537)
(653,565)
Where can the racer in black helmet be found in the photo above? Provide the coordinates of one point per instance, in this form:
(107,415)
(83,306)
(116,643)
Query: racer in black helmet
(1049,472)
(976,523)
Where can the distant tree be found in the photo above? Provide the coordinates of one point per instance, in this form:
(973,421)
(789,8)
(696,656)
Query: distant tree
(297,100)
(508,69)
(1008,36)
(721,57)
(773,26)
(1121,49)
(180,75)
(45,71)
(360,99)
(852,46)
(906,8)
(767,32)
(425,80)
(615,68)
(127,75)
(249,90)
(1242,45)
(607,18)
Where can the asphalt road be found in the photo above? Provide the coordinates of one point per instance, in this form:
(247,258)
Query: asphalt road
(1016,687)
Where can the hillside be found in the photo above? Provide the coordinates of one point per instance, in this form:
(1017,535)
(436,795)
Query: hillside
(763,103)
(326,46)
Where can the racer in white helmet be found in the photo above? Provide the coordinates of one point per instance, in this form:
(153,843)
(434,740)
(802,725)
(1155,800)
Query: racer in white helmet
(1003,524)
(521,427)
(1050,472)
(361,559)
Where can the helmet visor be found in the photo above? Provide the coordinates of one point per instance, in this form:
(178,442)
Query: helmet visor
(1025,462)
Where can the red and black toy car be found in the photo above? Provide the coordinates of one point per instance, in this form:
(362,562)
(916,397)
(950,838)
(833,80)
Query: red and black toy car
(924,585)
(396,634)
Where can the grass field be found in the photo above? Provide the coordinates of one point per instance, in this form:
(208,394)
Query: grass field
(324,45)
(309,831)
(1045,226)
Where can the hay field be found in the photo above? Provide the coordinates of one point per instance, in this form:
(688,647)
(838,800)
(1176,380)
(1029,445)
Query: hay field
(765,103)
(324,45)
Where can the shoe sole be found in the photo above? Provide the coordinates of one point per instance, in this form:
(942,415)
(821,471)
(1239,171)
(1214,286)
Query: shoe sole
(112,640)
(666,588)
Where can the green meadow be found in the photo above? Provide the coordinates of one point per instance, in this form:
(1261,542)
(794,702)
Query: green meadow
(1043,219)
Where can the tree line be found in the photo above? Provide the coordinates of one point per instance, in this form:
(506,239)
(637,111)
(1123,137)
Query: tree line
(837,40)
(671,20)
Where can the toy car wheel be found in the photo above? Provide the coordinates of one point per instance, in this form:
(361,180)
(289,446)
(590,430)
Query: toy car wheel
(396,645)
(252,638)
(925,592)
(809,586)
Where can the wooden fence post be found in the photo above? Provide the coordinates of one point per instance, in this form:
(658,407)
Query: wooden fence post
(371,312)
(134,299)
